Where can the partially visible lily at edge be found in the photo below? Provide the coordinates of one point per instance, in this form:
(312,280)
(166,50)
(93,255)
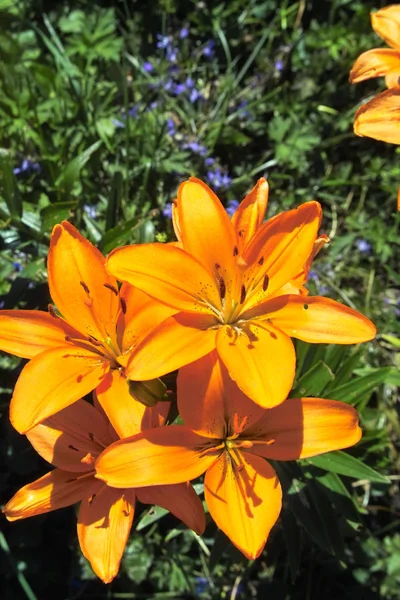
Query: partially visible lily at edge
(72,351)
(228,437)
(238,287)
(71,441)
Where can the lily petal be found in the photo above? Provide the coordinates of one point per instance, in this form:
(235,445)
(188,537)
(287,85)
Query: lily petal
(181,500)
(260,359)
(160,456)
(378,62)
(72,438)
(54,490)
(79,285)
(209,400)
(26,333)
(127,415)
(141,315)
(53,380)
(380,117)
(167,273)
(244,503)
(280,249)
(250,214)
(179,340)
(205,227)
(104,523)
(386,23)
(304,427)
(317,319)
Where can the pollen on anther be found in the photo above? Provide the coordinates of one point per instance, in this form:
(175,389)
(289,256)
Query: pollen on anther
(261,261)
(235,251)
(91,499)
(85,287)
(73,448)
(111,287)
(222,288)
(123,305)
(265,283)
(242,294)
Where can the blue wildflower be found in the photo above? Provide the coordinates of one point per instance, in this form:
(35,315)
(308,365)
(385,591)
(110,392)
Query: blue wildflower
(209,161)
(171,127)
(90,211)
(163,41)
(26,166)
(201,585)
(208,50)
(179,88)
(363,246)
(195,147)
(167,212)
(184,32)
(17,266)
(279,65)
(189,83)
(118,123)
(171,54)
(232,207)
(194,95)
(148,67)
(218,179)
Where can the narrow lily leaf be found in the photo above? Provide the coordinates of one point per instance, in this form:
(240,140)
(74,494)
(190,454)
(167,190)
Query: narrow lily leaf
(292,535)
(314,381)
(340,497)
(354,391)
(120,234)
(343,371)
(71,172)
(345,464)
(10,190)
(155,513)
(328,516)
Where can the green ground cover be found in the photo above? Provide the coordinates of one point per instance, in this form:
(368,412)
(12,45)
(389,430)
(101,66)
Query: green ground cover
(104,109)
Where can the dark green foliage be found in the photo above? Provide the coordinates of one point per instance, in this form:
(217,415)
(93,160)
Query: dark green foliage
(92,135)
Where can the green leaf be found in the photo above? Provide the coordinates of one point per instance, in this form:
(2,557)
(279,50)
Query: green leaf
(153,514)
(345,464)
(11,193)
(355,390)
(55,213)
(70,174)
(120,234)
(340,496)
(314,381)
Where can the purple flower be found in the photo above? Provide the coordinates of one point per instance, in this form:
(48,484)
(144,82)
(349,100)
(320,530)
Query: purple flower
(26,166)
(184,32)
(171,127)
(167,212)
(179,88)
(363,246)
(148,67)
(209,161)
(201,585)
(279,65)
(90,211)
(152,105)
(208,50)
(117,123)
(171,54)
(218,179)
(232,206)
(313,275)
(163,41)
(194,95)
(132,112)
(2,303)
(195,147)
(17,266)
(189,83)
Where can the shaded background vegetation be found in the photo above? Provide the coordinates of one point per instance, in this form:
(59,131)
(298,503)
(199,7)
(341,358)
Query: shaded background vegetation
(104,109)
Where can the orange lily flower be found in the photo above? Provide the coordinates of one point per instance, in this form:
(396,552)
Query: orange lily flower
(228,437)
(237,286)
(381,62)
(380,117)
(70,356)
(71,440)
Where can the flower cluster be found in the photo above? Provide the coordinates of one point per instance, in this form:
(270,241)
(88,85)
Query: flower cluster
(378,118)
(220,305)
